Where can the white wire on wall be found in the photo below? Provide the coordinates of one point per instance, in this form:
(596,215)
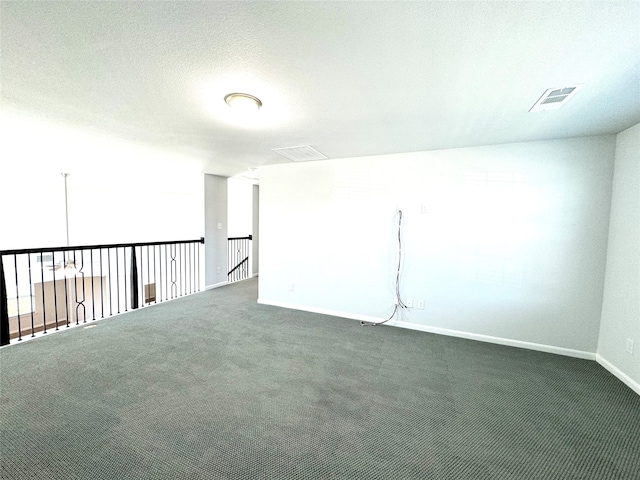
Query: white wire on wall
(399,305)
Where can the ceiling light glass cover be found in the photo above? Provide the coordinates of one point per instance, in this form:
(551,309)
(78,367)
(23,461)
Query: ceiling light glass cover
(243,102)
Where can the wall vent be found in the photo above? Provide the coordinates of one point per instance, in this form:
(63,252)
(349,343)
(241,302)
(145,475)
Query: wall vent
(302,153)
(554,98)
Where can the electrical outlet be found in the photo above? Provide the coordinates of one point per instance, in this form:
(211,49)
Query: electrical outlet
(218,270)
(424,208)
(291,287)
(421,304)
(409,303)
(630,346)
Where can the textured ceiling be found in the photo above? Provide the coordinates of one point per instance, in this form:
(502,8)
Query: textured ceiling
(349,78)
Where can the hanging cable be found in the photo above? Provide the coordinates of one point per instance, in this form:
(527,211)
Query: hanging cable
(398,302)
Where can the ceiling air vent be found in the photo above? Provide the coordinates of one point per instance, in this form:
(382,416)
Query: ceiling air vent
(555,98)
(303,153)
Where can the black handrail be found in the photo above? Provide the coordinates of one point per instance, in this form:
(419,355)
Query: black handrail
(95,247)
(245,260)
(67,279)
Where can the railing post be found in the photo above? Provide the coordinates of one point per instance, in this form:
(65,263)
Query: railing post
(134,279)
(4,308)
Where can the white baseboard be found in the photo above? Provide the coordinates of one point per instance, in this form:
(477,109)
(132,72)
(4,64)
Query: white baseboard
(443,331)
(498,340)
(323,311)
(623,377)
(216,285)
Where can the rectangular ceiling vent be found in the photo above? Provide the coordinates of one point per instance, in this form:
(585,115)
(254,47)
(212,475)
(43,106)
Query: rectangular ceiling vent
(302,153)
(555,97)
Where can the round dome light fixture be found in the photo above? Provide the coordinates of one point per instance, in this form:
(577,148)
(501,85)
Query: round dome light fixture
(243,102)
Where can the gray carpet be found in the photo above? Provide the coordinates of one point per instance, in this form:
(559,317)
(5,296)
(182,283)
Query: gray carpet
(215,386)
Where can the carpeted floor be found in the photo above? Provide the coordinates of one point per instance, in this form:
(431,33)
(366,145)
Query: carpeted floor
(216,386)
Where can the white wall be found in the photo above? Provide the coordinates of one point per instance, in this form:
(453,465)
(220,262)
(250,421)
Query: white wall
(240,207)
(511,247)
(119,191)
(621,304)
(255,244)
(215,238)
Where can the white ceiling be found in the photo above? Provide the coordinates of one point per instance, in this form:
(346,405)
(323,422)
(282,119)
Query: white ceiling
(349,78)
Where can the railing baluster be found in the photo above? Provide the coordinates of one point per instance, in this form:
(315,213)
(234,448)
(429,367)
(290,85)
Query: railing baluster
(117,280)
(177,272)
(124,269)
(15,263)
(155,276)
(101,287)
(93,298)
(148,276)
(141,275)
(177,269)
(174,288)
(134,279)
(55,295)
(160,269)
(4,307)
(109,276)
(31,296)
(177,276)
(81,303)
(184,267)
(44,308)
(75,286)
(180,265)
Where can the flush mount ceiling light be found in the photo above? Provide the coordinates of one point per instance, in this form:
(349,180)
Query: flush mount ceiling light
(243,102)
(554,98)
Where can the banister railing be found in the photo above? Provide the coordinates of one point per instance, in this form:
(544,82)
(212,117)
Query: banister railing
(238,252)
(53,287)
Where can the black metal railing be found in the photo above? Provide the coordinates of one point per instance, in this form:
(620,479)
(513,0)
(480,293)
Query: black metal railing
(238,252)
(49,288)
